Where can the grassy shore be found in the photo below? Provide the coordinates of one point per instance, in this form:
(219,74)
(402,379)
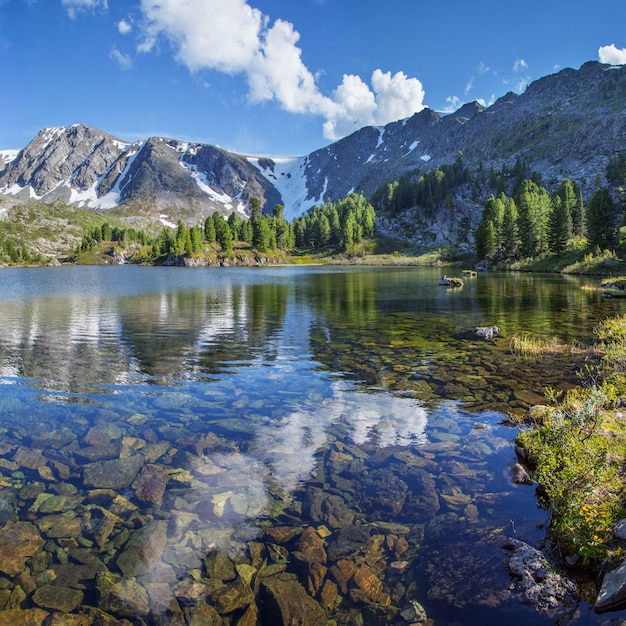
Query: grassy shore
(575,446)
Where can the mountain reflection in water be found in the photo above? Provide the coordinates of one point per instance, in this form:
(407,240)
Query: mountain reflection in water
(226,445)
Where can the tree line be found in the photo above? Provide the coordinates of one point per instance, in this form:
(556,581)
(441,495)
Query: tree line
(339,226)
(532,221)
(428,190)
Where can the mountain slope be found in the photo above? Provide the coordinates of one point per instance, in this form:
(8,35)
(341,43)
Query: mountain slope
(567,124)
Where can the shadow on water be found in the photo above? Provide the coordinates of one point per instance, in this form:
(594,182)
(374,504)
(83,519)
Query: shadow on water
(280,446)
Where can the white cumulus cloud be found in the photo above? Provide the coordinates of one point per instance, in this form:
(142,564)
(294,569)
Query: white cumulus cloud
(235,38)
(124,27)
(612,55)
(73,7)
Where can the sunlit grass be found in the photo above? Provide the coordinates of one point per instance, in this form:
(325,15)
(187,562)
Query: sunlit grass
(529,346)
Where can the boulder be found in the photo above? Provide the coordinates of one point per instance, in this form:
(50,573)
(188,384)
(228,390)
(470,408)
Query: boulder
(447,281)
(537,582)
(486,332)
(613,591)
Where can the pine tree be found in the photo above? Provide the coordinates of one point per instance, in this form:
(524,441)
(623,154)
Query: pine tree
(485,239)
(602,219)
(533,206)
(510,240)
(560,225)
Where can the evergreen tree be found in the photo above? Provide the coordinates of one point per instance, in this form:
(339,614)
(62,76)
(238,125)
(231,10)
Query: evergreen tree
(578,216)
(602,219)
(533,206)
(571,200)
(485,239)
(209,230)
(196,239)
(235,222)
(510,241)
(223,233)
(560,225)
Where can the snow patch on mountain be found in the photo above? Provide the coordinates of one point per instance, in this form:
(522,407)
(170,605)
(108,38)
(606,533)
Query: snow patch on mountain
(381,131)
(229,203)
(6,156)
(289,176)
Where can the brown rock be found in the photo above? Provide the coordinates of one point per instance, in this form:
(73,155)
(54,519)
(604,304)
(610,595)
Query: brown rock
(520,475)
(329,595)
(121,596)
(150,484)
(11,466)
(29,458)
(18,542)
(202,614)
(57,598)
(62,525)
(311,545)
(285,602)
(250,617)
(369,584)
(163,606)
(114,474)
(63,471)
(219,566)
(281,534)
(62,619)
(232,597)
(17,617)
(347,568)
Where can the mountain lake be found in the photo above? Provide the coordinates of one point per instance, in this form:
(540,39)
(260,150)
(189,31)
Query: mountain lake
(285,445)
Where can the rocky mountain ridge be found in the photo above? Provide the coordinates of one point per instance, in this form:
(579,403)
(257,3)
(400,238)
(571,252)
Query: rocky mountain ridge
(566,124)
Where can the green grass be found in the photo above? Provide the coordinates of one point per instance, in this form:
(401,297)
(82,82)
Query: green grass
(577,449)
(37,232)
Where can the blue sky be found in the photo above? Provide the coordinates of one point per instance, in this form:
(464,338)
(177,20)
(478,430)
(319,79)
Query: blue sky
(278,77)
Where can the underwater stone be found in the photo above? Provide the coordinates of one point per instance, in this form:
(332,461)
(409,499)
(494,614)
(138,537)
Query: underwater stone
(18,542)
(114,474)
(121,596)
(286,602)
(57,598)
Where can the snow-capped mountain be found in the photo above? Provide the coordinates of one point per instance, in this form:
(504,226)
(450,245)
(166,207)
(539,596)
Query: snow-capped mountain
(566,124)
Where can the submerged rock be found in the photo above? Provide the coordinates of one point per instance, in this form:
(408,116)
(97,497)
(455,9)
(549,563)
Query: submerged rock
(122,596)
(537,582)
(150,484)
(286,602)
(414,613)
(58,598)
(18,542)
(114,474)
(28,617)
(144,549)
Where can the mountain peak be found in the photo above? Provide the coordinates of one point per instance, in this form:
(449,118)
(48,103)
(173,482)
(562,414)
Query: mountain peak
(565,124)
